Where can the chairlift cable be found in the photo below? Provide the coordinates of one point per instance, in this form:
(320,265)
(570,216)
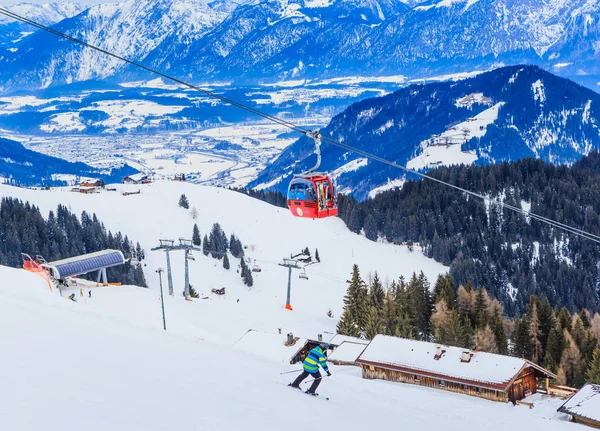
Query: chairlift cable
(282,122)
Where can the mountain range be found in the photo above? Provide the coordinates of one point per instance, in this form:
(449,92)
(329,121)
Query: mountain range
(21,166)
(507,114)
(272,40)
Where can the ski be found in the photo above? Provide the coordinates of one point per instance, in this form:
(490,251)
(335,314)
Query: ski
(308,393)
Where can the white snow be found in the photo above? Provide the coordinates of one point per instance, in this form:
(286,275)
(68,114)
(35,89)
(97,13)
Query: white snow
(585,117)
(347,352)
(64,122)
(420,355)
(585,403)
(446,149)
(471,99)
(393,184)
(153,83)
(271,232)
(111,365)
(538,91)
(352,166)
(339,339)
(448,77)
(269,345)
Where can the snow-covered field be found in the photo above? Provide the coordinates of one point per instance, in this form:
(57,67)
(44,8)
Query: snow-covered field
(73,366)
(270,233)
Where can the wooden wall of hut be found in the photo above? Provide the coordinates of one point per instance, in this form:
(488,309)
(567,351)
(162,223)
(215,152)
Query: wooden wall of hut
(524,385)
(370,372)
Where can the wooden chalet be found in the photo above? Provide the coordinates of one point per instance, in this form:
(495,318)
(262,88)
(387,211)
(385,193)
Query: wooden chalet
(139,178)
(485,375)
(91,183)
(584,406)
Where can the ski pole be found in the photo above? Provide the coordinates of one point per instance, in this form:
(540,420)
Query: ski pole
(289,372)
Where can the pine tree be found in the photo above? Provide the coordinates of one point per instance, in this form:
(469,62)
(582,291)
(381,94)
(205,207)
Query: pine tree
(578,331)
(480,311)
(183,202)
(534,330)
(357,298)
(317,258)
(225,261)
(522,339)
(444,289)
(346,325)
(593,370)
(196,238)
(585,318)
(500,337)
(193,292)
(554,348)
(205,246)
(564,318)
(373,324)
(389,314)
(454,334)
(377,293)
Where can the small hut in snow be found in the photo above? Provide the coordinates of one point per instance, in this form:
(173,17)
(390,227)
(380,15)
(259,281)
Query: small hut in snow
(584,406)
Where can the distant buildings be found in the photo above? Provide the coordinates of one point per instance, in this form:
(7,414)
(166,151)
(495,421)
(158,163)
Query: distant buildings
(139,178)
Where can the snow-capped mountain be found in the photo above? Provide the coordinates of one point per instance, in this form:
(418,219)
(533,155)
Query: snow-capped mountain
(282,39)
(506,114)
(47,14)
(133,29)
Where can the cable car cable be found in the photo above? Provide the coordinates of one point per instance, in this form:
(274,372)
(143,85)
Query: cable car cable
(209,93)
(303,130)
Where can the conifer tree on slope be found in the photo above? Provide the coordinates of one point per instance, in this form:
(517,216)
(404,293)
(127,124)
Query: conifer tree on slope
(500,337)
(357,299)
(346,325)
(226,261)
(377,293)
(205,246)
(593,370)
(183,202)
(196,238)
(373,325)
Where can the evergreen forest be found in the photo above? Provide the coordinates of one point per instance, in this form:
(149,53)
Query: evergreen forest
(23,229)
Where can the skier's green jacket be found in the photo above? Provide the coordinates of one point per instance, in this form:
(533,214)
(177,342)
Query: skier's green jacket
(315,358)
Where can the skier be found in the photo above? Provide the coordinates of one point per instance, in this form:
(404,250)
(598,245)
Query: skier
(311,364)
(89,293)
(81,292)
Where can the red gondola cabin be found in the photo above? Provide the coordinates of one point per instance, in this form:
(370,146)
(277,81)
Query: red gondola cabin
(312,197)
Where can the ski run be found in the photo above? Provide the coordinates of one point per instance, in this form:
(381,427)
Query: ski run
(105,363)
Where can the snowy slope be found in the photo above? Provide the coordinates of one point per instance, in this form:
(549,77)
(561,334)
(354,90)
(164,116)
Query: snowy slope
(270,233)
(70,368)
(506,114)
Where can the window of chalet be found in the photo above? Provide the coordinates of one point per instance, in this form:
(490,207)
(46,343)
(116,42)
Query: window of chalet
(442,383)
(416,378)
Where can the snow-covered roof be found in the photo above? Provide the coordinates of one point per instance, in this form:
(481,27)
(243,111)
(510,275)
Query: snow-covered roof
(339,339)
(484,369)
(347,352)
(585,403)
(137,177)
(269,345)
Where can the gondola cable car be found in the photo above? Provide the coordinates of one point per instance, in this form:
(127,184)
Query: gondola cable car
(311,194)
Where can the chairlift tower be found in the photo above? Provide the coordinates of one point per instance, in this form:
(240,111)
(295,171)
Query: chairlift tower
(169,245)
(289,264)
